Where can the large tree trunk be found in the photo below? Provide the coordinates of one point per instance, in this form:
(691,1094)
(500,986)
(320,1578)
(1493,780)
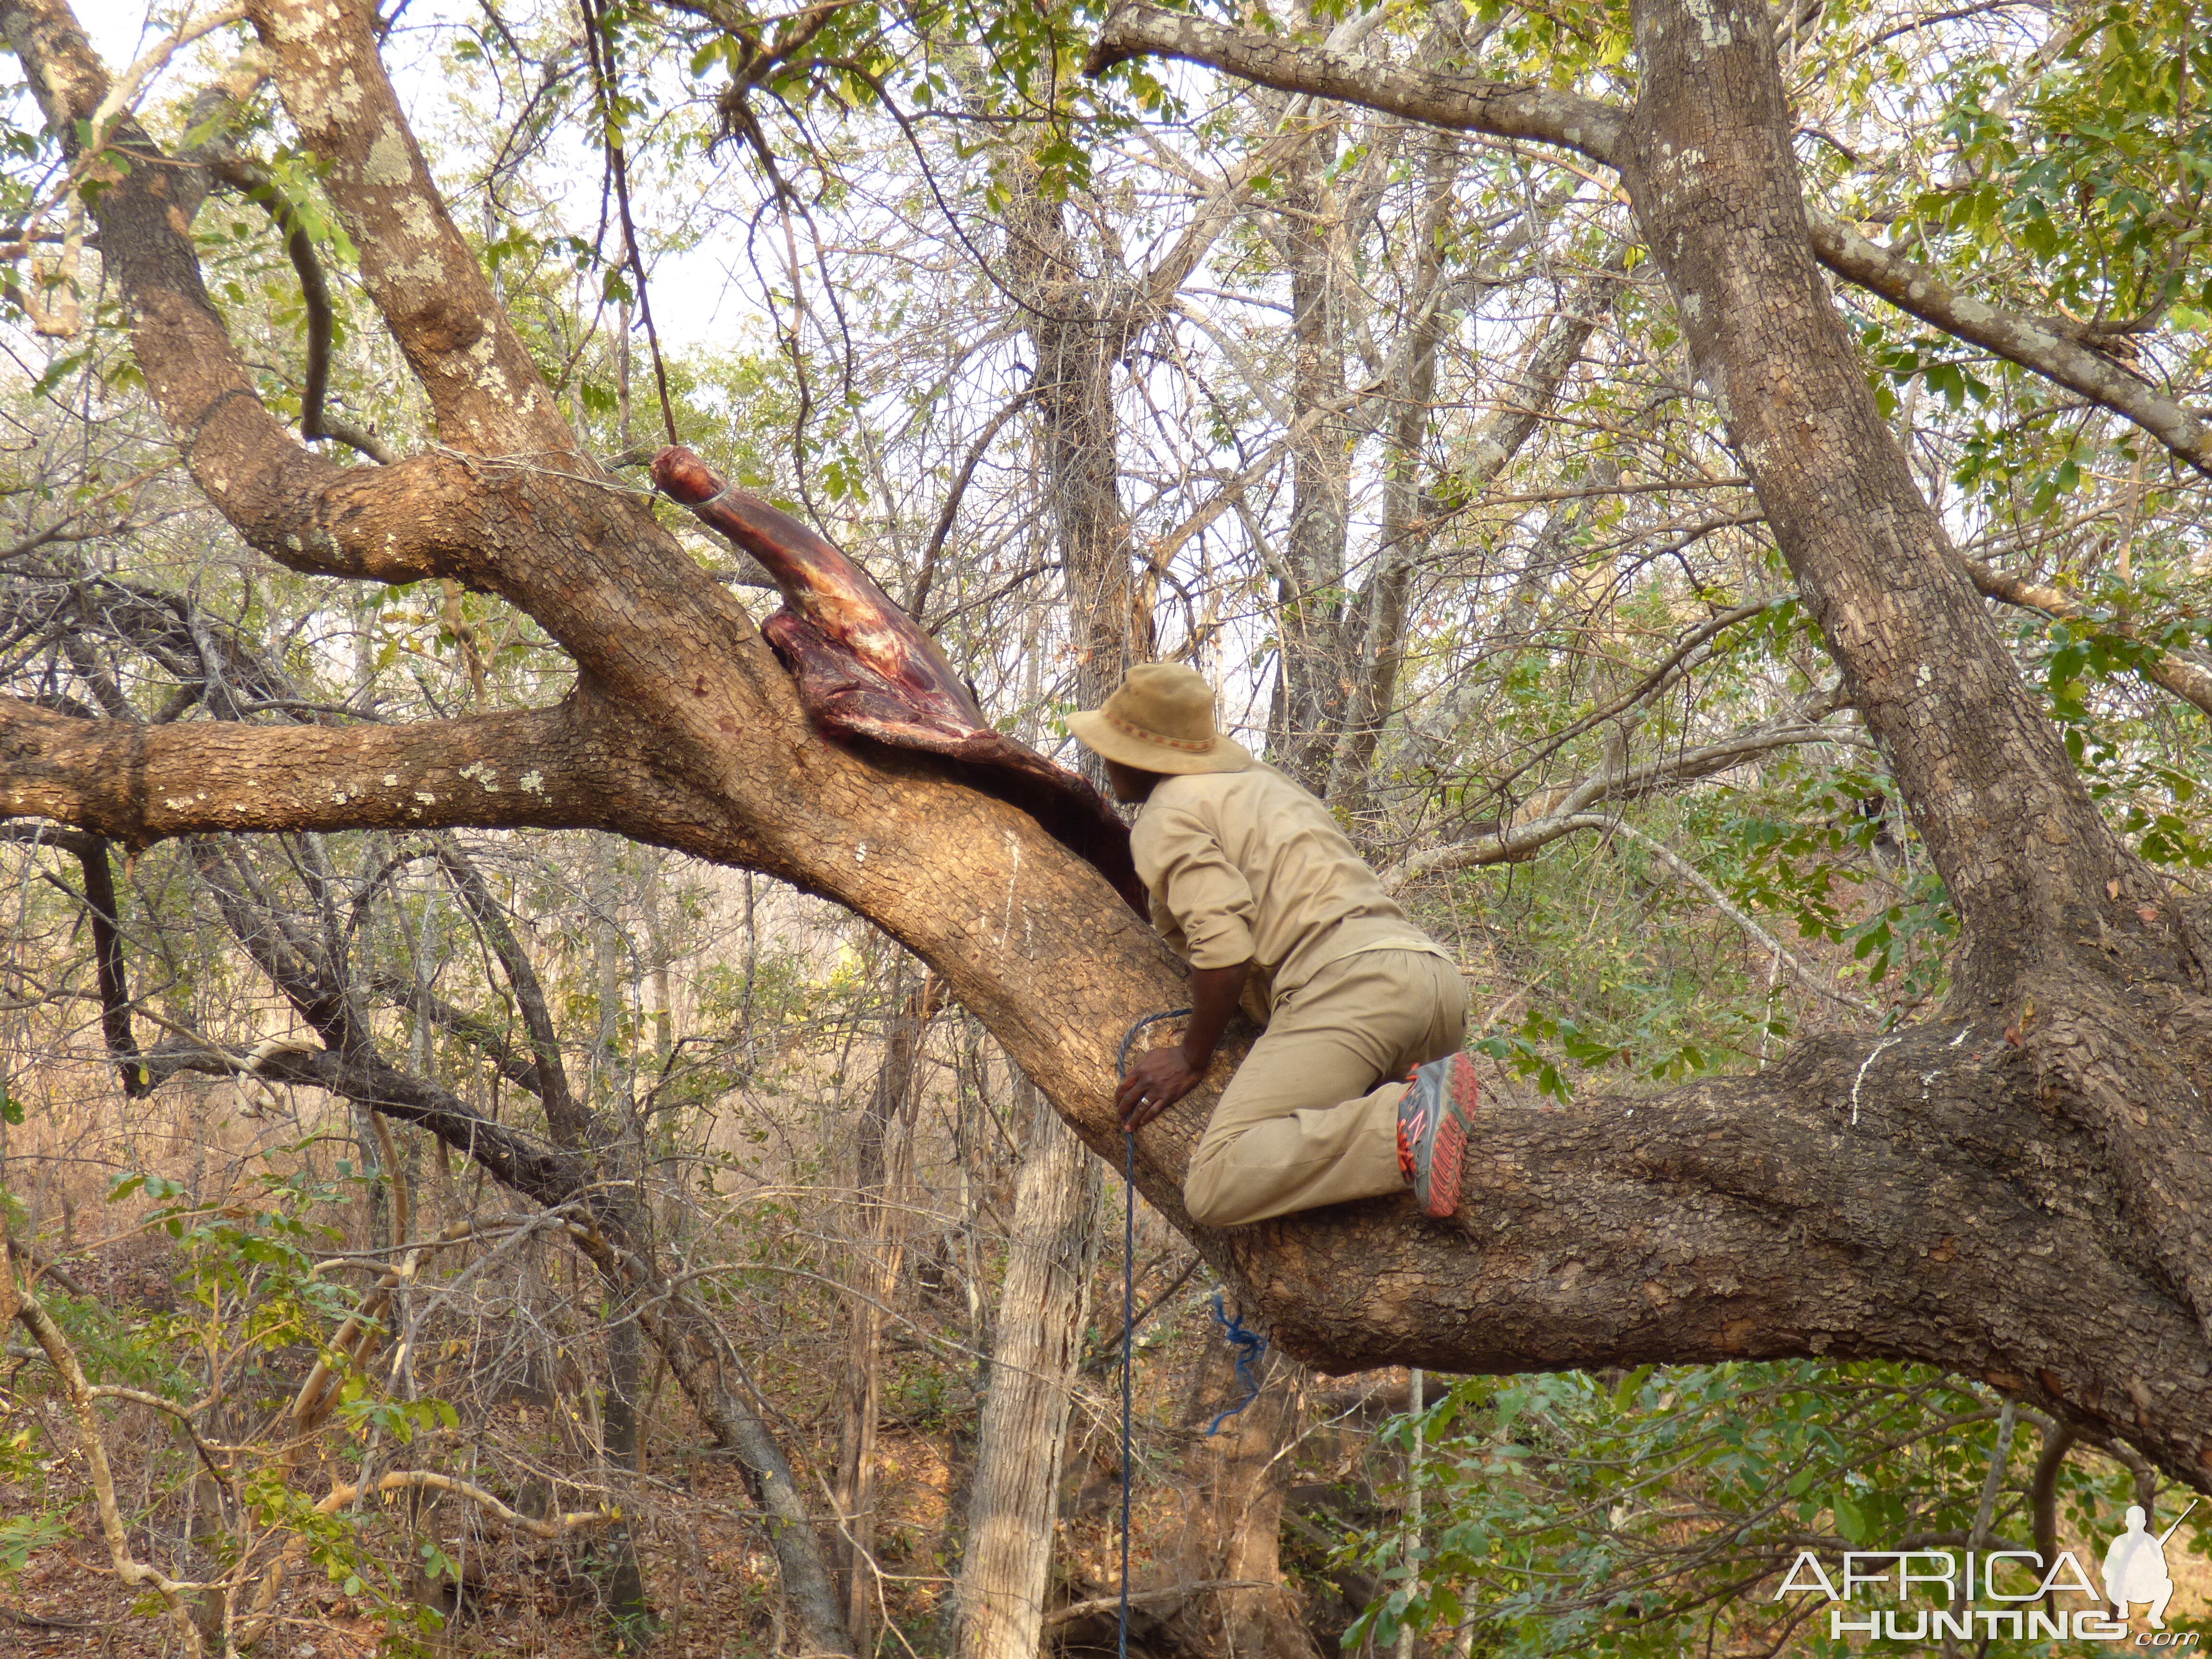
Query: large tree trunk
(1232,1525)
(883,1157)
(1006,1565)
(1310,683)
(1078,333)
(2063,928)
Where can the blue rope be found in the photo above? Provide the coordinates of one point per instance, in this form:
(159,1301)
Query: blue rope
(1130,1306)
(1128,1370)
(1250,1346)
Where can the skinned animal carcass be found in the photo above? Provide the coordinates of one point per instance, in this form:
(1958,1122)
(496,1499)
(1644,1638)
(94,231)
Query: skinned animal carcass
(866,670)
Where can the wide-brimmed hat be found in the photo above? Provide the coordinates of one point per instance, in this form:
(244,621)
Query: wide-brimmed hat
(1160,720)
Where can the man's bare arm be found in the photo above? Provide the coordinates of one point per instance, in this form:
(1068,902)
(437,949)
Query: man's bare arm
(1161,1077)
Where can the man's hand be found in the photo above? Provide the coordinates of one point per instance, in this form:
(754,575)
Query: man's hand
(1161,1077)
(1157,1078)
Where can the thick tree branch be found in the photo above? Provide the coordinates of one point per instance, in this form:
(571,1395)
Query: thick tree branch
(2032,344)
(1459,102)
(419,271)
(540,525)
(576,765)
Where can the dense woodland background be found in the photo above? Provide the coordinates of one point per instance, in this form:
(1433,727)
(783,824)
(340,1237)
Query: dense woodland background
(1389,431)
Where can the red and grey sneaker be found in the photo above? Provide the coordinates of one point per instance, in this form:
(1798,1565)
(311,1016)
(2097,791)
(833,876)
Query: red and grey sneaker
(1435,1116)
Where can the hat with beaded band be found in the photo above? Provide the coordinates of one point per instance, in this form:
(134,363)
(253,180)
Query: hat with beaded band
(1161,720)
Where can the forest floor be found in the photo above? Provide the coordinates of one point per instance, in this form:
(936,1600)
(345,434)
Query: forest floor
(711,1582)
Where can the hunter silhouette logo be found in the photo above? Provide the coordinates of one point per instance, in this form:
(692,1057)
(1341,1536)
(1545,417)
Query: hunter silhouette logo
(1940,1594)
(2135,1567)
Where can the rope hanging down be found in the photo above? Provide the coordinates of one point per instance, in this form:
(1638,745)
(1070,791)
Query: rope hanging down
(1128,1333)
(1250,1345)
(1129,1306)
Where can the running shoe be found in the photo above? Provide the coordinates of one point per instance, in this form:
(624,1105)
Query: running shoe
(1435,1116)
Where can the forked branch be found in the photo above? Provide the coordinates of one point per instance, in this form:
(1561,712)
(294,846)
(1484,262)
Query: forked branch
(1571,809)
(177,1594)
(299,508)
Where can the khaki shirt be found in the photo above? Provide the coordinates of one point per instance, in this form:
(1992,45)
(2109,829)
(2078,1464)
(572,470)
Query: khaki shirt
(1246,866)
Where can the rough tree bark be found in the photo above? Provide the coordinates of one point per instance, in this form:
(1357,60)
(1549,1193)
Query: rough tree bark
(2013,1190)
(1078,328)
(1311,682)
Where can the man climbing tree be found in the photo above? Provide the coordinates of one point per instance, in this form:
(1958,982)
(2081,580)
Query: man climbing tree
(1253,884)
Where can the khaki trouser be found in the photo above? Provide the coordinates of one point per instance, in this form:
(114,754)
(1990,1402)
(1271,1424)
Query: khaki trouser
(1296,1127)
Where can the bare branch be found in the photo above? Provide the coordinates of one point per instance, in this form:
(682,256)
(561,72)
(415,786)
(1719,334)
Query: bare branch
(1075,1610)
(1515,843)
(553,1526)
(107,953)
(917,602)
(42,1268)
(315,421)
(2189,680)
(570,1122)
(1689,872)
(1669,670)
(1460,101)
